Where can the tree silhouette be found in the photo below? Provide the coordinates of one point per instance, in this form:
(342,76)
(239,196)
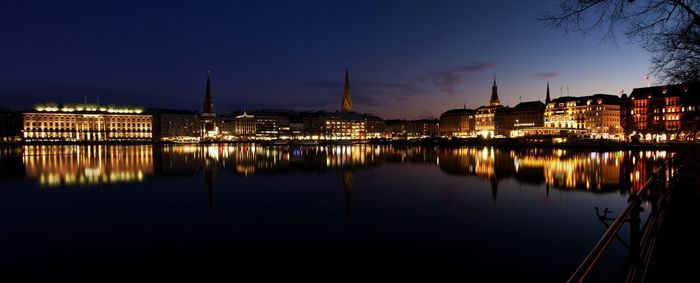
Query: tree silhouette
(668,29)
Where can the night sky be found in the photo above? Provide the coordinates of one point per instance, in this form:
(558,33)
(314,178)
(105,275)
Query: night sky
(407,59)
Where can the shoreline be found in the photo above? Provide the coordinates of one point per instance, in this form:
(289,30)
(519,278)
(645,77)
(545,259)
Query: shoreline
(447,143)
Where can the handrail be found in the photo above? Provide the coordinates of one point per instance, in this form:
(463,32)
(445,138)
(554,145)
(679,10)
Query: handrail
(601,246)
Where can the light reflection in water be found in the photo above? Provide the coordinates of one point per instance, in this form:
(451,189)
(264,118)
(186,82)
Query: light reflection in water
(86,165)
(558,168)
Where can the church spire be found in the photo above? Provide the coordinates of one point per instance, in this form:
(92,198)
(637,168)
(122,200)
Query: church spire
(347,101)
(494,94)
(208,100)
(547,100)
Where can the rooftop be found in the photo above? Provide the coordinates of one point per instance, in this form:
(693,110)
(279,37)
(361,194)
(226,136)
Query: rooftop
(87,108)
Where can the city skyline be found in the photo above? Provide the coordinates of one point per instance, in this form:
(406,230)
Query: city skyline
(267,65)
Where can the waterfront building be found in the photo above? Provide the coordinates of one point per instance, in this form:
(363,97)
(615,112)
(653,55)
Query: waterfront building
(296,128)
(486,115)
(244,126)
(171,125)
(335,126)
(209,123)
(503,121)
(602,117)
(271,124)
(424,128)
(523,119)
(457,123)
(53,122)
(528,115)
(594,116)
(374,126)
(626,118)
(564,113)
(396,128)
(664,113)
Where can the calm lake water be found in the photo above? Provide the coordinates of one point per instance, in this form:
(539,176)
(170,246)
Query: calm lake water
(190,209)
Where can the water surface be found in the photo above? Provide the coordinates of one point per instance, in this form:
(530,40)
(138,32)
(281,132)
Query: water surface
(508,214)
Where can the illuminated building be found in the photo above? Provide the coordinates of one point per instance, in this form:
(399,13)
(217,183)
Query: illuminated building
(595,116)
(175,125)
(271,125)
(375,127)
(336,126)
(602,116)
(244,125)
(457,123)
(210,125)
(525,115)
(346,107)
(486,115)
(85,122)
(564,113)
(664,113)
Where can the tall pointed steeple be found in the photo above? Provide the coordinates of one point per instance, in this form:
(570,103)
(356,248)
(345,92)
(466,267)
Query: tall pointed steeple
(494,94)
(347,101)
(208,100)
(547,100)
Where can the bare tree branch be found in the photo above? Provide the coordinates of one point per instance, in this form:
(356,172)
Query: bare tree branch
(668,29)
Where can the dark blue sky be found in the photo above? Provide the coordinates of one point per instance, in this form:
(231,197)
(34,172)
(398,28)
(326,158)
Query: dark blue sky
(407,59)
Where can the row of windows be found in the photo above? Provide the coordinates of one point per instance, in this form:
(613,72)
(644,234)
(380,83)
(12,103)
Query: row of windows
(86,131)
(72,124)
(78,117)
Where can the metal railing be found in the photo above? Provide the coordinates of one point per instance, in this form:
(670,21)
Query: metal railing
(643,240)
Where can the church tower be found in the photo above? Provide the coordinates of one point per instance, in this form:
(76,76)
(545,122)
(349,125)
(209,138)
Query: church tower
(208,109)
(547,100)
(210,128)
(494,94)
(347,101)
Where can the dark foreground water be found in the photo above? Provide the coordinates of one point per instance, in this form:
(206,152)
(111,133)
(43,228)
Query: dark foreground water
(221,209)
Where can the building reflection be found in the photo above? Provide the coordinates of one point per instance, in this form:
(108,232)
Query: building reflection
(86,165)
(553,168)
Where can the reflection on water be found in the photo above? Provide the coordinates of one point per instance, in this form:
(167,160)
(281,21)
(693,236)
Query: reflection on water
(87,165)
(430,202)
(101,164)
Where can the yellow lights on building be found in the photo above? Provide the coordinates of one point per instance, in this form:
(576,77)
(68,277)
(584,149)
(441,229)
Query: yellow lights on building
(86,107)
(85,123)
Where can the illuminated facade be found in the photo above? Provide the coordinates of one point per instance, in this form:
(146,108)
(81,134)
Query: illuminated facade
(602,117)
(664,113)
(485,116)
(594,116)
(564,113)
(269,126)
(458,123)
(86,123)
(244,125)
(342,126)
